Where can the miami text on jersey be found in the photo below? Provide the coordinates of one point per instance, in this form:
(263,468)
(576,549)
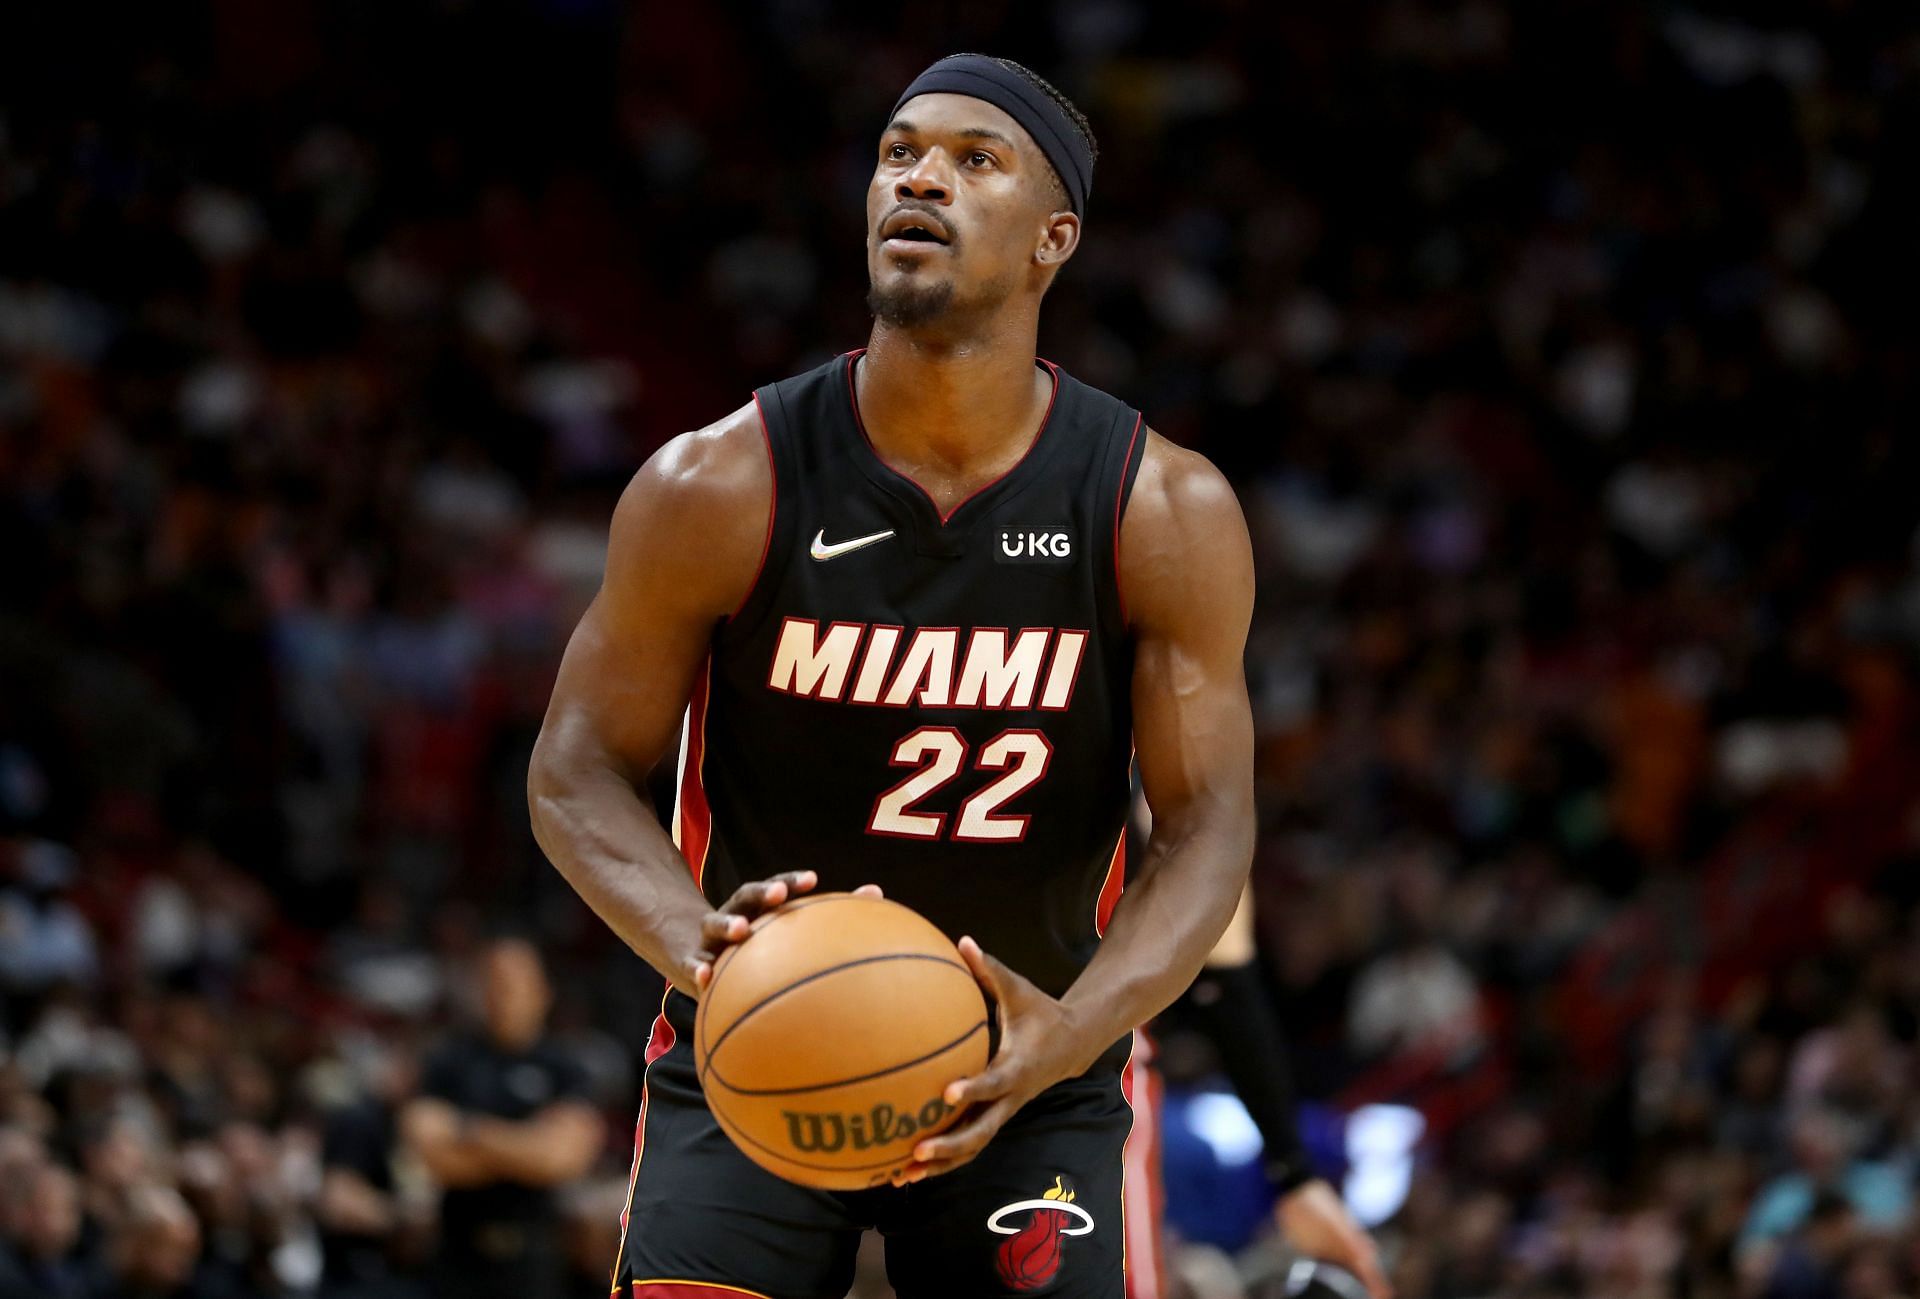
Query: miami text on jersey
(932,667)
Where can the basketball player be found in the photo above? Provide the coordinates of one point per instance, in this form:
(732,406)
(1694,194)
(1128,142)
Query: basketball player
(1229,1005)
(918,607)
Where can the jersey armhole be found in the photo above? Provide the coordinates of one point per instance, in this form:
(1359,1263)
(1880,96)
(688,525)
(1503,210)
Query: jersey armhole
(757,589)
(1129,471)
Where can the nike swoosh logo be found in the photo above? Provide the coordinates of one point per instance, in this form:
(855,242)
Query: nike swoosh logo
(821,550)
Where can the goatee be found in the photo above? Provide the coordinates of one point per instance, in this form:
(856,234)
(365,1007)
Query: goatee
(907,306)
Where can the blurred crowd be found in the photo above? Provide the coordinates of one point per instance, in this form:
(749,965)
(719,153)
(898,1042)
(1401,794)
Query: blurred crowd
(1558,351)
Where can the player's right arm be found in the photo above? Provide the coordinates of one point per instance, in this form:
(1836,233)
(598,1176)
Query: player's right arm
(685,549)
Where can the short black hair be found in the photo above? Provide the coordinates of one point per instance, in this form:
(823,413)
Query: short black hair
(1067,106)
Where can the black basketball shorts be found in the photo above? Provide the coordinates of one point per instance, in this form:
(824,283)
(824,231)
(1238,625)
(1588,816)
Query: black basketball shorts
(1038,1212)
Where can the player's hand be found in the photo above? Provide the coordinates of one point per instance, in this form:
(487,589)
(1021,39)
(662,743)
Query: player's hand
(1316,1222)
(731,924)
(1036,1050)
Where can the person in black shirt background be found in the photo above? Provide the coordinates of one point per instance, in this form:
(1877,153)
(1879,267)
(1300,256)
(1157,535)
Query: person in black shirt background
(501,1122)
(364,1219)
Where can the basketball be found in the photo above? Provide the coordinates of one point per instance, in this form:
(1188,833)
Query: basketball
(825,1039)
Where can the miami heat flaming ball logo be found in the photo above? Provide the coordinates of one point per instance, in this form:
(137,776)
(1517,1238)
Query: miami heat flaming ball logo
(1036,1232)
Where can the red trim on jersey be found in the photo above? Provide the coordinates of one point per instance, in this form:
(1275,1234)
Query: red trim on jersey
(1119,497)
(692,817)
(1112,886)
(853,398)
(659,1042)
(661,1039)
(773,508)
(689,1290)
(692,835)
(1140,1207)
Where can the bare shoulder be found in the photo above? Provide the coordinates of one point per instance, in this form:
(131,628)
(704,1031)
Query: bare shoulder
(1178,488)
(1184,548)
(697,513)
(721,468)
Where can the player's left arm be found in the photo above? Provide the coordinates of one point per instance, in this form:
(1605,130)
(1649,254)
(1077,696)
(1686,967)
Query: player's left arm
(1186,575)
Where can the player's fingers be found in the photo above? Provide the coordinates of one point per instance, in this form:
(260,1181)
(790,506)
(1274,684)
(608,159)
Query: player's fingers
(794,883)
(962,1144)
(964,1140)
(752,899)
(764,895)
(784,887)
(988,972)
(920,1170)
(718,929)
(868,891)
(990,1084)
(702,974)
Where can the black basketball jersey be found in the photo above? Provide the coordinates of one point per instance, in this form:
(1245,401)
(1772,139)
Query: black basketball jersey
(936,704)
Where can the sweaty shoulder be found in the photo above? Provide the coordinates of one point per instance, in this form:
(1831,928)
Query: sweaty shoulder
(693,524)
(1184,550)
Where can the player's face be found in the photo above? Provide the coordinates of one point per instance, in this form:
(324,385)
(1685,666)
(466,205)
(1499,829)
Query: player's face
(961,212)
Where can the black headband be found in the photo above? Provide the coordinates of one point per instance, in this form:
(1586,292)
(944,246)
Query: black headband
(987,78)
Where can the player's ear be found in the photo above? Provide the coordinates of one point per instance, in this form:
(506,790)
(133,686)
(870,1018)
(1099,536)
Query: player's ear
(1058,239)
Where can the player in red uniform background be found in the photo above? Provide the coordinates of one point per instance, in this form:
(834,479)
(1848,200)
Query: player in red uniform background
(1234,1012)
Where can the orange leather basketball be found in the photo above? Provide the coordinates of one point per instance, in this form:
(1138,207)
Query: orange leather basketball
(825,1039)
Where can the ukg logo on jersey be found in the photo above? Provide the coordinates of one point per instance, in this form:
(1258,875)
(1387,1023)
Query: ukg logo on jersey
(1041,545)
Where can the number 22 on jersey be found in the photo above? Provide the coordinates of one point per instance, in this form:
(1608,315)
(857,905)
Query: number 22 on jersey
(938,754)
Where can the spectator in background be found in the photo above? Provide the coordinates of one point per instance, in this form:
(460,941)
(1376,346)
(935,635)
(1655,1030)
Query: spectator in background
(1827,1168)
(21,1155)
(43,939)
(500,1125)
(1748,1120)
(1852,1070)
(1415,997)
(363,1214)
(156,1252)
(42,1260)
(1809,1264)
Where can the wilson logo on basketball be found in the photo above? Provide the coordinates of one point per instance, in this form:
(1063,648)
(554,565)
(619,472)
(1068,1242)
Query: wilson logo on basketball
(881,1126)
(1036,1232)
